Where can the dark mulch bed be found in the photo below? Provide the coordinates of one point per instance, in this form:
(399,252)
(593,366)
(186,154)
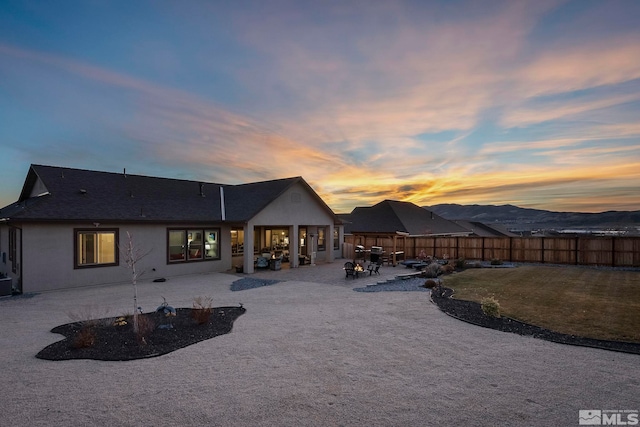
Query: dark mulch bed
(471,312)
(118,343)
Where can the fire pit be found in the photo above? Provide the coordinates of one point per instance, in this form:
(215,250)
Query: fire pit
(358,269)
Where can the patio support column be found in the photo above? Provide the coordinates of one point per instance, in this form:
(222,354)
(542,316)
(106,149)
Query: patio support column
(312,243)
(395,242)
(294,245)
(404,245)
(328,242)
(248,248)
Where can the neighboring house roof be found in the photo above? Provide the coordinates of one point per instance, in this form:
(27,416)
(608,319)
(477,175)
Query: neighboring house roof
(53,193)
(390,216)
(485,230)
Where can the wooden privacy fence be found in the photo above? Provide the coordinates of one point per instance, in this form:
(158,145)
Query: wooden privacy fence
(604,251)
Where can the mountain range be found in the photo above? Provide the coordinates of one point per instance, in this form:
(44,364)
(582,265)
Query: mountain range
(525,218)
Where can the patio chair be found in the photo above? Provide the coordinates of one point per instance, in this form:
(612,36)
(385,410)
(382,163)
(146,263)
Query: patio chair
(374,268)
(349,269)
(262,262)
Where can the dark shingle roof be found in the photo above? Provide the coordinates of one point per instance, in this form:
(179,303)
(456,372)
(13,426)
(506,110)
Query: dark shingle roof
(76,194)
(390,216)
(375,219)
(83,194)
(485,230)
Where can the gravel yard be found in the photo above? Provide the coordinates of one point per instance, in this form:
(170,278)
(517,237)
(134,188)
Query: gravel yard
(308,351)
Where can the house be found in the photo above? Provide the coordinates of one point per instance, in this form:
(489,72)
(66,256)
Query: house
(389,224)
(481,229)
(392,217)
(68,227)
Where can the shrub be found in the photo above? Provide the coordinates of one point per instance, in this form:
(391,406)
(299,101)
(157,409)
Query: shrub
(202,309)
(496,261)
(85,337)
(461,263)
(433,270)
(430,284)
(490,306)
(438,290)
(146,325)
(448,268)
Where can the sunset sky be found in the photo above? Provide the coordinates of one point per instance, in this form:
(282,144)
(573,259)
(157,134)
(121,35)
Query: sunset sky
(533,103)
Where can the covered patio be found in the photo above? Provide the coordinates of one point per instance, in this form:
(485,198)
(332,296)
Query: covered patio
(276,246)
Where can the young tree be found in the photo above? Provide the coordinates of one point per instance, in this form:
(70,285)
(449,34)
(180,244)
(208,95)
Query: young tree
(132,254)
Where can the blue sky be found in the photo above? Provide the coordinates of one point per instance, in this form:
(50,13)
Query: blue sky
(533,103)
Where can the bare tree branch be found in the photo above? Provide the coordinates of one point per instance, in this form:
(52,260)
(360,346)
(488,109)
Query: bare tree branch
(132,254)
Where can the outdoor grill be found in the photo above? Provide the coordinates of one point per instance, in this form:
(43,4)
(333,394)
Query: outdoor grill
(376,253)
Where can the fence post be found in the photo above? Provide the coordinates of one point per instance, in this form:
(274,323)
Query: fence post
(510,249)
(613,251)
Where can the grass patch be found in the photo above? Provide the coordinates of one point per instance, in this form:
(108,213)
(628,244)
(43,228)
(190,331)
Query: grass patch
(600,304)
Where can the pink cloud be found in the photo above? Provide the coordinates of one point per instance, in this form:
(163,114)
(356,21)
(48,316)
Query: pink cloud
(357,95)
(606,62)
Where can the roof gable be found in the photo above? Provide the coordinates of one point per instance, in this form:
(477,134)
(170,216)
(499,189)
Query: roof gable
(244,201)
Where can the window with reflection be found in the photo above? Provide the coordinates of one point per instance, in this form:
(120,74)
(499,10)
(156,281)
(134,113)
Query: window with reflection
(211,244)
(321,239)
(96,248)
(194,241)
(193,244)
(237,241)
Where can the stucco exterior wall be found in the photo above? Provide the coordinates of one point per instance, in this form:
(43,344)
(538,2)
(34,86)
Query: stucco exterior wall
(48,256)
(296,207)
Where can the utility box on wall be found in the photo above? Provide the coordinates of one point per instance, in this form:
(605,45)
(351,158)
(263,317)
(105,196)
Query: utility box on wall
(5,286)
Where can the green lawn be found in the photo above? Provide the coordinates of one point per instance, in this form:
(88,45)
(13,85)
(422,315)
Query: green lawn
(601,304)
